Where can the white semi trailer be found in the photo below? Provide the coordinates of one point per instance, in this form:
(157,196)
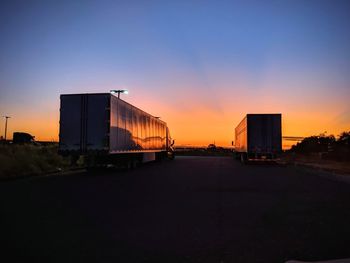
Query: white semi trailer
(258,136)
(105,129)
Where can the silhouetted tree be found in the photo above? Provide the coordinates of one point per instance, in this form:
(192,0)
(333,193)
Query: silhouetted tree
(312,144)
(344,139)
(335,149)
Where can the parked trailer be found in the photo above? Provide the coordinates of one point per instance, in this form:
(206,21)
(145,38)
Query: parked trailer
(258,136)
(107,130)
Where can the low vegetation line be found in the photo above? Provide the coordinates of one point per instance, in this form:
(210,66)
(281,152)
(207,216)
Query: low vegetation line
(25,160)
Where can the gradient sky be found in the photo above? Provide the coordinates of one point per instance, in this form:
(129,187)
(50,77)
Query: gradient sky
(200,65)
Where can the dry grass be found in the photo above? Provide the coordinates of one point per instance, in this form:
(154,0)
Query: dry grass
(22,160)
(316,160)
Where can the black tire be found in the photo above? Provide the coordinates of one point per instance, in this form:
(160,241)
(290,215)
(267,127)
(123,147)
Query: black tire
(244,158)
(172,156)
(237,156)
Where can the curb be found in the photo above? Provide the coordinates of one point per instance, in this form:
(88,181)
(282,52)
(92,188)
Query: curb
(345,260)
(45,174)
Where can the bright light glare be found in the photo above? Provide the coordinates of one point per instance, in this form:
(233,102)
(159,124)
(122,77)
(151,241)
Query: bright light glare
(119,91)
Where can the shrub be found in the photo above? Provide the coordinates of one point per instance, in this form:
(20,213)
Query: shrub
(20,160)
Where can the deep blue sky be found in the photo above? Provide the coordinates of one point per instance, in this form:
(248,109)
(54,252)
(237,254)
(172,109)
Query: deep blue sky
(218,58)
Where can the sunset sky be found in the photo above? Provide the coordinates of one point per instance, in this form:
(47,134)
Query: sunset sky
(200,65)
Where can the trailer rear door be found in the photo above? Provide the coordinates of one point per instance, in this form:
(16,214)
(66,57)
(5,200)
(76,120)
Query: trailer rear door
(84,122)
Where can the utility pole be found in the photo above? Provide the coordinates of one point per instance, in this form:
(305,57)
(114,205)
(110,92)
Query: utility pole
(6,117)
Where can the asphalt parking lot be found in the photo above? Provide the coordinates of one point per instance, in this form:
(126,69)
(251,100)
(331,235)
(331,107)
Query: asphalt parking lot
(192,209)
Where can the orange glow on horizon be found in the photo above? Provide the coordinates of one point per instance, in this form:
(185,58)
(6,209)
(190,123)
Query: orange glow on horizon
(195,120)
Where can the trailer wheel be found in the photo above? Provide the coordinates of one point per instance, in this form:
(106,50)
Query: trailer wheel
(129,165)
(243,158)
(237,156)
(172,156)
(159,156)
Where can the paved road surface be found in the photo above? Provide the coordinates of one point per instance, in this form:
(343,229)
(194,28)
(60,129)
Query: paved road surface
(192,209)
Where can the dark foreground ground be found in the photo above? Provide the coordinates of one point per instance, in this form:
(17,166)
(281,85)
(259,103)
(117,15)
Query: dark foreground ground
(193,209)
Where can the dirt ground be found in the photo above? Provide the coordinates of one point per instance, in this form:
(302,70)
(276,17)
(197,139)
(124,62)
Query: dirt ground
(316,161)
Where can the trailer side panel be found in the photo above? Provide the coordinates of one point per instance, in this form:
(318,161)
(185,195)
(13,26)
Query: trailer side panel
(241,142)
(133,130)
